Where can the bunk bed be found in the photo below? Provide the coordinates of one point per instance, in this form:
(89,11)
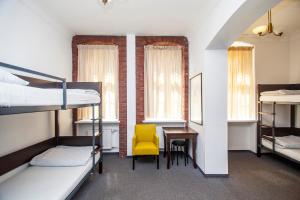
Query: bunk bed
(282,141)
(25,173)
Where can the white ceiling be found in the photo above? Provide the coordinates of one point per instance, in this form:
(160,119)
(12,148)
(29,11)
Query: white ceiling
(285,17)
(142,17)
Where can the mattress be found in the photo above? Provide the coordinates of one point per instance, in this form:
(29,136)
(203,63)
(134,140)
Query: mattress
(281,98)
(20,95)
(291,153)
(47,183)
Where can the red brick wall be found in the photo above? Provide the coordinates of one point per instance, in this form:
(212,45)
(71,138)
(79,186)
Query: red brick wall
(141,41)
(108,40)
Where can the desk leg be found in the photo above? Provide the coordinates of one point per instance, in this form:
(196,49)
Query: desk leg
(169,153)
(194,152)
(165,146)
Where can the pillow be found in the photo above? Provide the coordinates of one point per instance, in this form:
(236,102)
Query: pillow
(8,77)
(289,142)
(63,156)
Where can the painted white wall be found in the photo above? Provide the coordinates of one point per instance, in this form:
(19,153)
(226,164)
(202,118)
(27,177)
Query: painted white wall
(30,38)
(294,45)
(241,136)
(131,91)
(215,112)
(294,50)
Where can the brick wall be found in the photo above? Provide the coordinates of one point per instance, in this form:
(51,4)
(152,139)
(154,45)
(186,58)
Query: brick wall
(141,41)
(108,40)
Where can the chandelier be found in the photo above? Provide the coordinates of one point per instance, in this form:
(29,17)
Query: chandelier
(266,29)
(105,2)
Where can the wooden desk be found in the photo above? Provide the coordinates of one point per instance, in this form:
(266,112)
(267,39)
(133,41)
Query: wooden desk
(179,133)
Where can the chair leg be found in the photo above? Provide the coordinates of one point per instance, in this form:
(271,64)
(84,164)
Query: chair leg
(183,153)
(157,161)
(100,167)
(177,154)
(172,154)
(187,152)
(133,158)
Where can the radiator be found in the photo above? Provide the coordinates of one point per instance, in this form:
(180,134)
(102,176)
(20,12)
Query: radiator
(106,138)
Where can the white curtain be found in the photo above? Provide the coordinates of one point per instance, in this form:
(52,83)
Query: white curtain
(100,63)
(241,84)
(163,78)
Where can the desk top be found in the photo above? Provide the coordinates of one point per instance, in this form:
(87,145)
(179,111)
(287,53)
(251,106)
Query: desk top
(179,130)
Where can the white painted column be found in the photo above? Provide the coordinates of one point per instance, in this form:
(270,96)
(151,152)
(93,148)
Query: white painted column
(215,111)
(131,91)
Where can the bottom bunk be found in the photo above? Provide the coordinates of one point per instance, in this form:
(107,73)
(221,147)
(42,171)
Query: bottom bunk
(49,176)
(292,154)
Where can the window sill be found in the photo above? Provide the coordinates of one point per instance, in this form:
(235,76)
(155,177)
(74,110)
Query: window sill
(242,121)
(162,121)
(88,121)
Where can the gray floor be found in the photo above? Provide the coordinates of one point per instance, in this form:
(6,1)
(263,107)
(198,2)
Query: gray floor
(250,178)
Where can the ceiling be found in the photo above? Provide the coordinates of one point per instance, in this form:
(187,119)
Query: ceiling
(142,17)
(285,17)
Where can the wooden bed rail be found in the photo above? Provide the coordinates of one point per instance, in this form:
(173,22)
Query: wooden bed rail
(20,157)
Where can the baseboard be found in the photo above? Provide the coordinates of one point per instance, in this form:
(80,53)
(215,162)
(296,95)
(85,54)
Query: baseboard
(210,175)
(249,151)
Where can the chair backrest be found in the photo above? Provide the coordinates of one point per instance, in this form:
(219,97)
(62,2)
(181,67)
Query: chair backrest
(145,132)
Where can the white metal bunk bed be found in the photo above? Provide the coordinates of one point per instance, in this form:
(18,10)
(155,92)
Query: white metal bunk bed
(52,177)
(282,141)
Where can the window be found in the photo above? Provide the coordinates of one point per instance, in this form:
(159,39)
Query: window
(100,63)
(163,76)
(241,84)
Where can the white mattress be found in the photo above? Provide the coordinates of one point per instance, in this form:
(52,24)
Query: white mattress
(281,98)
(292,153)
(19,95)
(46,183)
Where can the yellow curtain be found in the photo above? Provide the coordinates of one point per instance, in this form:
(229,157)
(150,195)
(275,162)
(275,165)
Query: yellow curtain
(100,63)
(241,84)
(163,82)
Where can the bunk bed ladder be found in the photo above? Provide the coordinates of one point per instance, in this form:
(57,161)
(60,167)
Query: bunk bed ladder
(259,140)
(273,126)
(261,125)
(93,140)
(100,137)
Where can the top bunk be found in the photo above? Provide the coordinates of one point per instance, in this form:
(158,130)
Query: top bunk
(27,94)
(279,93)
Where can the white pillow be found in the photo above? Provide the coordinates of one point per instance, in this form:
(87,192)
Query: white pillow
(289,142)
(8,77)
(63,156)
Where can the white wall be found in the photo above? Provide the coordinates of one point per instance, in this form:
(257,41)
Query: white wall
(30,38)
(131,91)
(295,65)
(294,45)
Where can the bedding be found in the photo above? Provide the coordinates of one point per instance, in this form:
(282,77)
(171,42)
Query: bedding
(7,77)
(280,92)
(291,153)
(47,183)
(20,95)
(281,98)
(289,142)
(63,156)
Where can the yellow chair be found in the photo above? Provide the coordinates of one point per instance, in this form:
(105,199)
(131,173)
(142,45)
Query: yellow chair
(145,142)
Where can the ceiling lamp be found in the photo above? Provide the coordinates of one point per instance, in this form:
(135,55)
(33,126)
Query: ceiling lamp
(105,2)
(266,29)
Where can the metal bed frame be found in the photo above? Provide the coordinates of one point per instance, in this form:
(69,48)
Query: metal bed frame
(269,132)
(66,140)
